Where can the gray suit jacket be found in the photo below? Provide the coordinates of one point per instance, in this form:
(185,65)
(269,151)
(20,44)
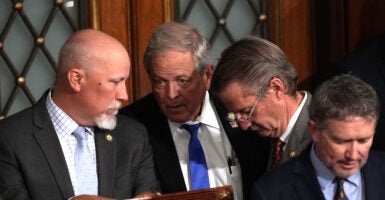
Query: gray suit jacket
(32,163)
(299,137)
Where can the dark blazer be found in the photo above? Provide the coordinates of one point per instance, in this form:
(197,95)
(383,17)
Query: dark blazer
(32,164)
(368,63)
(299,137)
(296,180)
(251,149)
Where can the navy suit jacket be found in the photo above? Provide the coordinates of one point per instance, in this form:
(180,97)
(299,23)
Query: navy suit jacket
(296,180)
(32,163)
(368,63)
(252,150)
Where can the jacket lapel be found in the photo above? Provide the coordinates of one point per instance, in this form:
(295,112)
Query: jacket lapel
(48,141)
(168,166)
(105,145)
(165,155)
(306,185)
(300,136)
(373,176)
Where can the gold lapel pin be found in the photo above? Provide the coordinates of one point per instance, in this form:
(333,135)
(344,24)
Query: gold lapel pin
(292,154)
(109,137)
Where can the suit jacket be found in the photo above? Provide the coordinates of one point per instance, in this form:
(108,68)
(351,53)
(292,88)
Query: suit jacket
(32,163)
(296,180)
(299,137)
(368,63)
(252,150)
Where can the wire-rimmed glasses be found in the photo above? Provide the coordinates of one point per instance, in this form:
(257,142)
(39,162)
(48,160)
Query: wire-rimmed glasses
(259,95)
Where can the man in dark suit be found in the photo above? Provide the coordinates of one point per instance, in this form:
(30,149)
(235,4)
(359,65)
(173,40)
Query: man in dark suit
(177,63)
(38,146)
(256,81)
(343,116)
(368,63)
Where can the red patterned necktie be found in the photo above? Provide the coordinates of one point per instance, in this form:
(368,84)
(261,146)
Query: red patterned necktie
(277,154)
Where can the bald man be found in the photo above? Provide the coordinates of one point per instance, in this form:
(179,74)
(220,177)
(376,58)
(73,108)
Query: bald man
(38,145)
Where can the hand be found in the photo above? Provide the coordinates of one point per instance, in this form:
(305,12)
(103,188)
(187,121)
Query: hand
(145,195)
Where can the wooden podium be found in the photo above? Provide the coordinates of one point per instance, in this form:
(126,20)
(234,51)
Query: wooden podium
(218,193)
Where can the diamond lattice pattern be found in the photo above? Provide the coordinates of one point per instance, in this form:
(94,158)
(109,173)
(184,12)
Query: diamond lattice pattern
(32,33)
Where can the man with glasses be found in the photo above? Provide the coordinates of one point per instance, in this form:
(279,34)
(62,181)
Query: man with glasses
(257,83)
(177,62)
(339,164)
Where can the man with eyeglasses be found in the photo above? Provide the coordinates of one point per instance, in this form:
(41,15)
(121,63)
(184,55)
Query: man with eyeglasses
(258,84)
(339,164)
(178,65)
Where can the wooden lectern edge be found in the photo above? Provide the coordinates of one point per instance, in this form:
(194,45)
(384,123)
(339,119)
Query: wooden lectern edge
(217,193)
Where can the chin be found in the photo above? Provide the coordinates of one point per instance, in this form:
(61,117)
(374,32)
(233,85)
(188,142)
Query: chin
(106,122)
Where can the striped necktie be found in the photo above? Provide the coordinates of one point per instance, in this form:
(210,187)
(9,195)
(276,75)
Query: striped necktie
(340,193)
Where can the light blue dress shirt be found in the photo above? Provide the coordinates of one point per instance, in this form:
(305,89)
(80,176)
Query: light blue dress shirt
(353,186)
(64,127)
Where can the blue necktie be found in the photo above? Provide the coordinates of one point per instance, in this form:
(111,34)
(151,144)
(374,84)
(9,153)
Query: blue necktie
(198,168)
(85,165)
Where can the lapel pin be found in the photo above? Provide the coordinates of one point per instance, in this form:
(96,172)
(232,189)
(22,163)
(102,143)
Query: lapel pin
(292,154)
(109,137)
(231,119)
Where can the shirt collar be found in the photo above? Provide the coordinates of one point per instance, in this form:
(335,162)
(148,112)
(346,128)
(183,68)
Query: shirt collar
(64,125)
(284,137)
(325,176)
(208,115)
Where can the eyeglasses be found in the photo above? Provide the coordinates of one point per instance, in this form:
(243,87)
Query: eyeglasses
(259,96)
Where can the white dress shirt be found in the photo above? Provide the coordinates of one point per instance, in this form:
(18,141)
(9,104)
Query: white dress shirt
(216,147)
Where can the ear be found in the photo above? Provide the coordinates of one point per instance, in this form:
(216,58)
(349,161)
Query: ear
(75,78)
(209,75)
(277,86)
(314,132)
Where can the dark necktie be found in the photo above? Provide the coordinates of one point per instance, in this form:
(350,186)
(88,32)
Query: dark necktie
(340,193)
(85,166)
(277,154)
(197,162)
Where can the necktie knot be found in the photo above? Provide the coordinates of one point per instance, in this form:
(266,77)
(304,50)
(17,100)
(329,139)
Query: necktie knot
(80,134)
(192,128)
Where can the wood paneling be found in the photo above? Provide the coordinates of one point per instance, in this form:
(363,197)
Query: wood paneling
(131,22)
(340,26)
(366,20)
(291,29)
(147,14)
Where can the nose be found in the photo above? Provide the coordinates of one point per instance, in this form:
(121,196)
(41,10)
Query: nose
(242,123)
(172,90)
(121,93)
(352,152)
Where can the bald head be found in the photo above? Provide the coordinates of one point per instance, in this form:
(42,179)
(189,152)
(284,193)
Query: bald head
(90,84)
(86,49)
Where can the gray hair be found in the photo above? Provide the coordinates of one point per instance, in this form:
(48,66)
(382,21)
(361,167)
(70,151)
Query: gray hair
(178,36)
(252,62)
(342,97)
